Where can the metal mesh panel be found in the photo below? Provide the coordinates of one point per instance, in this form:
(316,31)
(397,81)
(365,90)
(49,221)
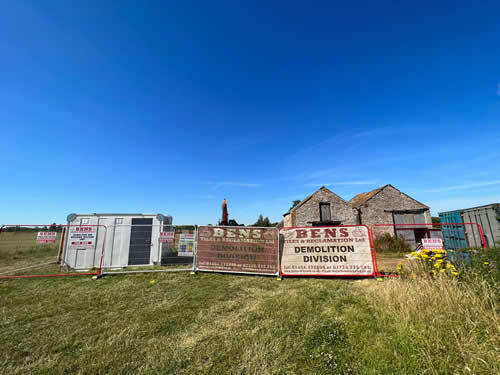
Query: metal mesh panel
(143,247)
(42,250)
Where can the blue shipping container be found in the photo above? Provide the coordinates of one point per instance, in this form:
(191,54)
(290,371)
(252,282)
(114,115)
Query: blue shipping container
(454,235)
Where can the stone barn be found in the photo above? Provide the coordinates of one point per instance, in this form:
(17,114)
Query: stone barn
(385,205)
(388,205)
(321,208)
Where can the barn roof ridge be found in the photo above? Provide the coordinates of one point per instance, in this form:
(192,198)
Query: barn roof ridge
(310,196)
(357,201)
(362,198)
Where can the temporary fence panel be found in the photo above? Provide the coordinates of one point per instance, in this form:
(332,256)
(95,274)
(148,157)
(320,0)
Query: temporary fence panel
(452,234)
(80,247)
(327,251)
(247,250)
(474,237)
(135,248)
(42,250)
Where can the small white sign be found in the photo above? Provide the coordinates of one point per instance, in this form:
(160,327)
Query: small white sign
(82,237)
(432,243)
(166,237)
(46,237)
(186,245)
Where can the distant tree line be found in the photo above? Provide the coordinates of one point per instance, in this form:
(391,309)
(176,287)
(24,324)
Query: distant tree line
(52,228)
(264,222)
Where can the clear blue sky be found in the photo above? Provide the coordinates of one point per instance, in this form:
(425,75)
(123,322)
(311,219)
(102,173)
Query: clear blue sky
(144,106)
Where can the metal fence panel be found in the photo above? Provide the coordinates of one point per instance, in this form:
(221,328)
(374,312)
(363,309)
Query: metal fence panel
(30,250)
(245,250)
(453,234)
(327,251)
(149,248)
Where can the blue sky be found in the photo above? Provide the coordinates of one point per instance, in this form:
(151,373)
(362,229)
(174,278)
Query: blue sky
(145,106)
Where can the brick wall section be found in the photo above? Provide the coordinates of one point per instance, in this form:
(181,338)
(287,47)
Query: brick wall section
(389,198)
(309,211)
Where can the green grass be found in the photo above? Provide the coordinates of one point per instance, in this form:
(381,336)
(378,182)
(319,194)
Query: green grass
(211,324)
(483,264)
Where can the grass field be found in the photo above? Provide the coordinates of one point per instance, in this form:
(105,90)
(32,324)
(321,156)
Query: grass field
(19,250)
(213,323)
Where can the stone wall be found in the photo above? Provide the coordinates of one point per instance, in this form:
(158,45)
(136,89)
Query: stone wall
(389,199)
(309,211)
(287,220)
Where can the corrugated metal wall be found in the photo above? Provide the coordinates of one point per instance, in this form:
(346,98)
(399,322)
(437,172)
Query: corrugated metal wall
(486,216)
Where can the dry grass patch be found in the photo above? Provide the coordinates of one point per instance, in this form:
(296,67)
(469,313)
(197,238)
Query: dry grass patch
(457,322)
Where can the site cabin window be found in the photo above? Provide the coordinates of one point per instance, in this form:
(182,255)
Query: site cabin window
(118,221)
(324,212)
(84,221)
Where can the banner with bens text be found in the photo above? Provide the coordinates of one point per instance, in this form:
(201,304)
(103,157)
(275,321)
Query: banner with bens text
(238,250)
(326,251)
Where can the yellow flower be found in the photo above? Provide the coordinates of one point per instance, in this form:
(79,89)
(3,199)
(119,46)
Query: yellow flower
(152,282)
(454,273)
(485,263)
(443,270)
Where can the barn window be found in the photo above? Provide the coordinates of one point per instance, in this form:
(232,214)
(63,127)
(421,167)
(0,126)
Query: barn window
(324,212)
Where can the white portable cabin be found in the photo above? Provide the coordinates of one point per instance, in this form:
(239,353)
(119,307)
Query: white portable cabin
(128,239)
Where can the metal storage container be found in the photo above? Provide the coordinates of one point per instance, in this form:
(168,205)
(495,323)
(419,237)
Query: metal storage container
(488,217)
(467,235)
(453,235)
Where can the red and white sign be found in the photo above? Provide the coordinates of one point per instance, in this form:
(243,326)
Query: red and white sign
(46,237)
(326,251)
(82,237)
(166,237)
(432,243)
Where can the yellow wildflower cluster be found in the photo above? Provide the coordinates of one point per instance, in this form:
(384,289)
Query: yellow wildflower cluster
(433,260)
(426,254)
